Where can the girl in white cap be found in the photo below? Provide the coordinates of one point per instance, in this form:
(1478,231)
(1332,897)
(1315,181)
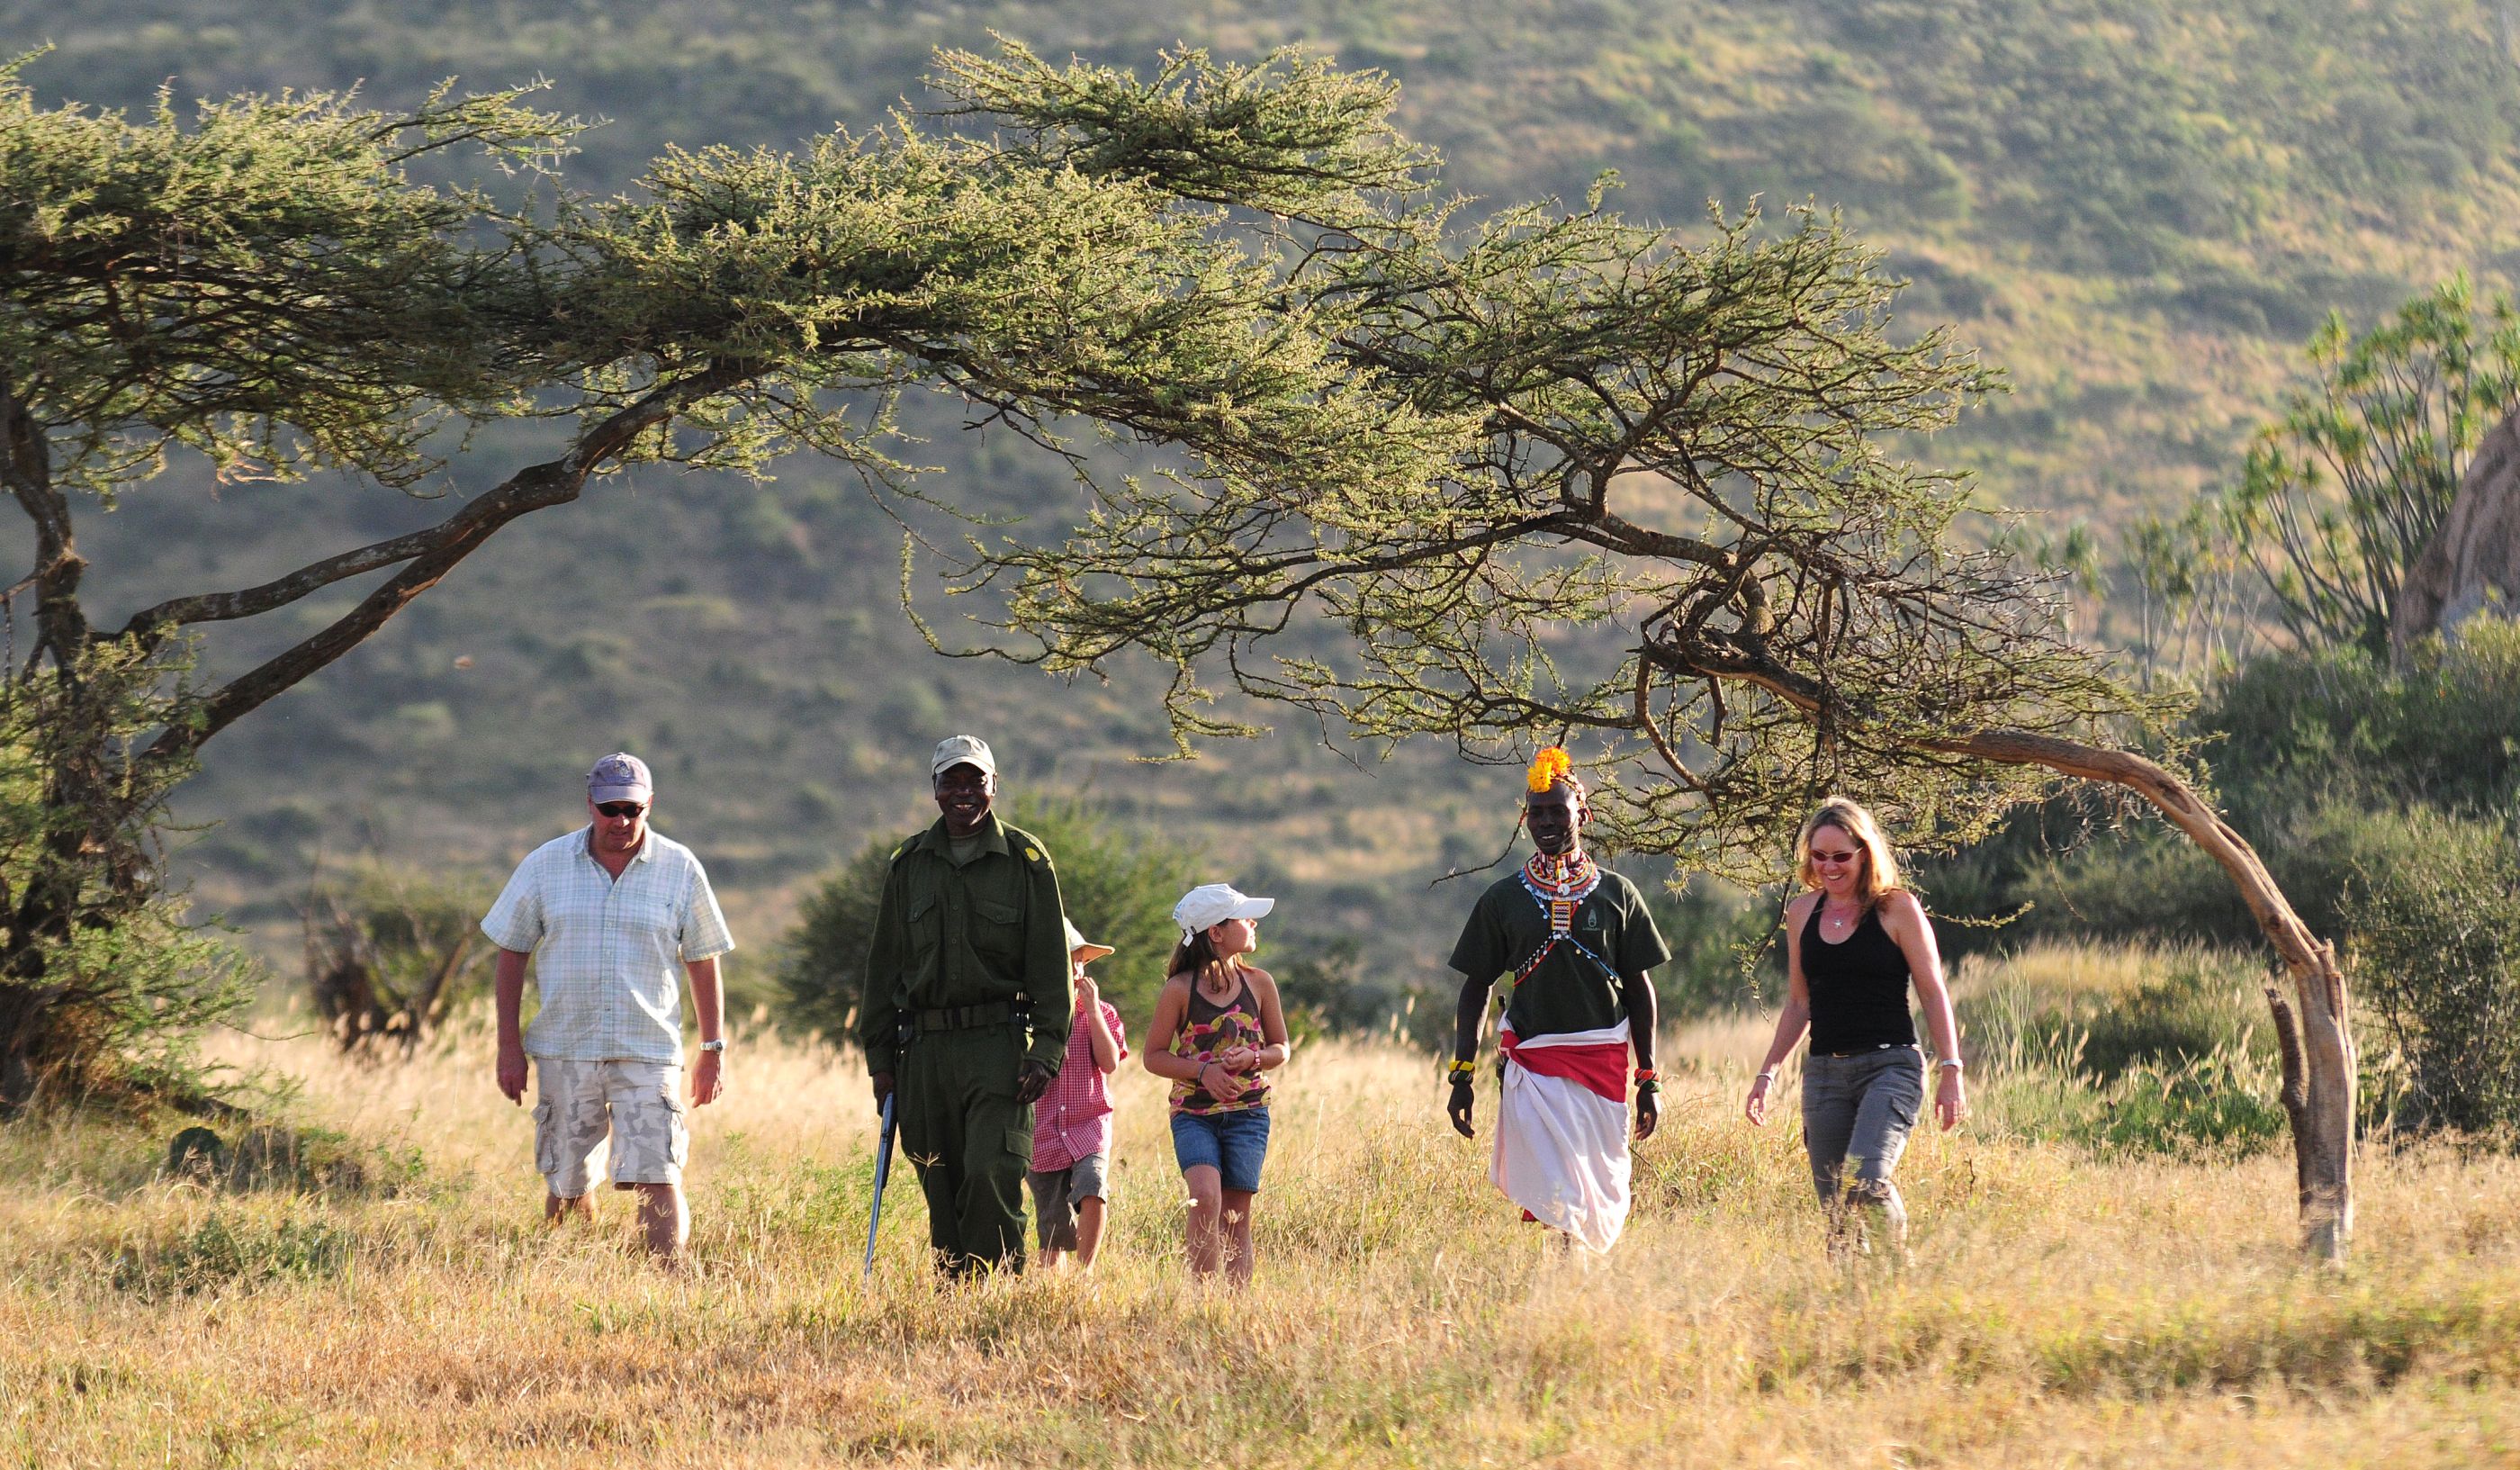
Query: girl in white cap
(1218,1031)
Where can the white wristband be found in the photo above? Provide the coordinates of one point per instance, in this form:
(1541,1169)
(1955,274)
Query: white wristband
(1952,1063)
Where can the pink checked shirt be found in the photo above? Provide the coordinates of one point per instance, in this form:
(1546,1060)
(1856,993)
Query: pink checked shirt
(1073,1119)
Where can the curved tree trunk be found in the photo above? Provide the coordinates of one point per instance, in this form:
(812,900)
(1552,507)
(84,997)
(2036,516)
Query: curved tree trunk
(2312,1028)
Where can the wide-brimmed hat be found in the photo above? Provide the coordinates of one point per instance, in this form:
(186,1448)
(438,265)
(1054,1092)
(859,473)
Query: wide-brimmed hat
(1079,947)
(1212,904)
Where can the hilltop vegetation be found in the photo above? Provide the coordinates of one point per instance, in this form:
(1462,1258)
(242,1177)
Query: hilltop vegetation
(2133,208)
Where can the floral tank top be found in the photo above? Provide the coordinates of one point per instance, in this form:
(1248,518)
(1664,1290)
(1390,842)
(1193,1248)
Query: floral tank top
(1208,1028)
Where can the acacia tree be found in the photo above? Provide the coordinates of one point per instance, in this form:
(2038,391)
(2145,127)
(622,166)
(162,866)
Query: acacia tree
(1673,520)
(267,286)
(2338,498)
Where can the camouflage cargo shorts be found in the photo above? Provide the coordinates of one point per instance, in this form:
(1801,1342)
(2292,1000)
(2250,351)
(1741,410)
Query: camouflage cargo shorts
(637,1107)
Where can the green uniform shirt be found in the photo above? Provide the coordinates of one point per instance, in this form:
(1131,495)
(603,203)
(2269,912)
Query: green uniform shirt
(953,934)
(1567,993)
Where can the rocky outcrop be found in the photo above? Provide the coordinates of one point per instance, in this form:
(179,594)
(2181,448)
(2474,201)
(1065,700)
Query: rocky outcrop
(2473,560)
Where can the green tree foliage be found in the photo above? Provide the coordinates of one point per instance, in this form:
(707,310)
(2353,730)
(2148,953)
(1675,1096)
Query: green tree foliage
(2338,497)
(1118,886)
(2303,745)
(2383,796)
(126,983)
(1727,951)
(269,285)
(1665,462)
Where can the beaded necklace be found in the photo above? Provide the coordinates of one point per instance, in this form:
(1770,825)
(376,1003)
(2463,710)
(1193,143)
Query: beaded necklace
(1560,884)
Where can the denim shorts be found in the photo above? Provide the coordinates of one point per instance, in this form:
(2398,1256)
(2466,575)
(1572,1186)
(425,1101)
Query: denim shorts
(1234,1144)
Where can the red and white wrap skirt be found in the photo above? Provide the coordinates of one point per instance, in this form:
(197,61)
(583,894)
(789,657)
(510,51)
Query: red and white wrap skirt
(1562,1141)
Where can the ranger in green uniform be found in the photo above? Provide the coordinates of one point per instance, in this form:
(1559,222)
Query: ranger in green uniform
(967,1007)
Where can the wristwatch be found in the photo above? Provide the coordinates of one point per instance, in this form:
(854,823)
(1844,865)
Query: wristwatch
(717,1045)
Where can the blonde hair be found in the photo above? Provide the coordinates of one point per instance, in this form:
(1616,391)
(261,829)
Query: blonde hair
(1880,873)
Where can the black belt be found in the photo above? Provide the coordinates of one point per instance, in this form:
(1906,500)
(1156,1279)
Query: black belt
(972,1017)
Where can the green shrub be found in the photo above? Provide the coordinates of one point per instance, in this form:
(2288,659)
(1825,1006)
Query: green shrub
(227,1249)
(2445,729)
(2316,756)
(2221,1102)
(2104,1013)
(2432,917)
(1726,949)
(1326,992)
(391,953)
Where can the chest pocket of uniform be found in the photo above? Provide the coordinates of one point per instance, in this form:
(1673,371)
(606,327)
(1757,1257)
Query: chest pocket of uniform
(919,920)
(997,932)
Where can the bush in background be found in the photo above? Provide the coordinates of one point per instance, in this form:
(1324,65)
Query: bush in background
(390,951)
(1325,995)
(108,982)
(1726,951)
(2432,919)
(2382,800)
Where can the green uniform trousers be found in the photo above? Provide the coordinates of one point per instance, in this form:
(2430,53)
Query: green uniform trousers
(970,1141)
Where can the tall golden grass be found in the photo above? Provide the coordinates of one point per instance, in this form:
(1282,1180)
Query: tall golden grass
(2060,1310)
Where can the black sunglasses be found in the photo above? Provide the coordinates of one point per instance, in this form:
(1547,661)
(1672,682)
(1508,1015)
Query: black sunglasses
(620,808)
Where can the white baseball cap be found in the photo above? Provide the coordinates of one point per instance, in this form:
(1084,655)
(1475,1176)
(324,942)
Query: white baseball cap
(1212,904)
(962,750)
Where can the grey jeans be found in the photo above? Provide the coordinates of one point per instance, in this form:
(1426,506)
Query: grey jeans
(1859,1109)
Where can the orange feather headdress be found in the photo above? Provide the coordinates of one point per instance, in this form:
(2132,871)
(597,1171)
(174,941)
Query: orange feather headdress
(1551,766)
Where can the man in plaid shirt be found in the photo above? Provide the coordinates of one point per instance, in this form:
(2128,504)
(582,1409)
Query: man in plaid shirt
(1071,1130)
(608,913)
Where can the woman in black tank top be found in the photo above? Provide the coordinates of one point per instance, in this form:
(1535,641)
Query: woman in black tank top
(1857,984)
(1854,945)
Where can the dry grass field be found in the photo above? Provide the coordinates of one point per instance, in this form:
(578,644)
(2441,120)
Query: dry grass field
(2061,1309)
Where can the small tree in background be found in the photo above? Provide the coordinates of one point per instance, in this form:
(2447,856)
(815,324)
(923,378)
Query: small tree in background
(1118,885)
(127,983)
(390,953)
(2338,497)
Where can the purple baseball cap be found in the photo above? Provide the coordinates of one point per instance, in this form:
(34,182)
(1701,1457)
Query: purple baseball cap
(619,777)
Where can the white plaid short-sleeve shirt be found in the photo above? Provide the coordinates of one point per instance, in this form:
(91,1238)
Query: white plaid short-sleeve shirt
(608,952)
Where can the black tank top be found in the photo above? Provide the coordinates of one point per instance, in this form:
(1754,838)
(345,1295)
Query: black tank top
(1859,990)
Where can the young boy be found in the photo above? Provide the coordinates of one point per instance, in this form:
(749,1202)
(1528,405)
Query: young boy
(1071,1131)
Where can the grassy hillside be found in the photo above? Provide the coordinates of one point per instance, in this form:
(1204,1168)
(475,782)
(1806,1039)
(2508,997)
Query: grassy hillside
(2134,207)
(2065,1308)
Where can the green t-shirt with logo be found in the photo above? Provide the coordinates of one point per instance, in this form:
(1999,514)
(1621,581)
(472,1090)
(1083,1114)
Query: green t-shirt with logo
(1569,992)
